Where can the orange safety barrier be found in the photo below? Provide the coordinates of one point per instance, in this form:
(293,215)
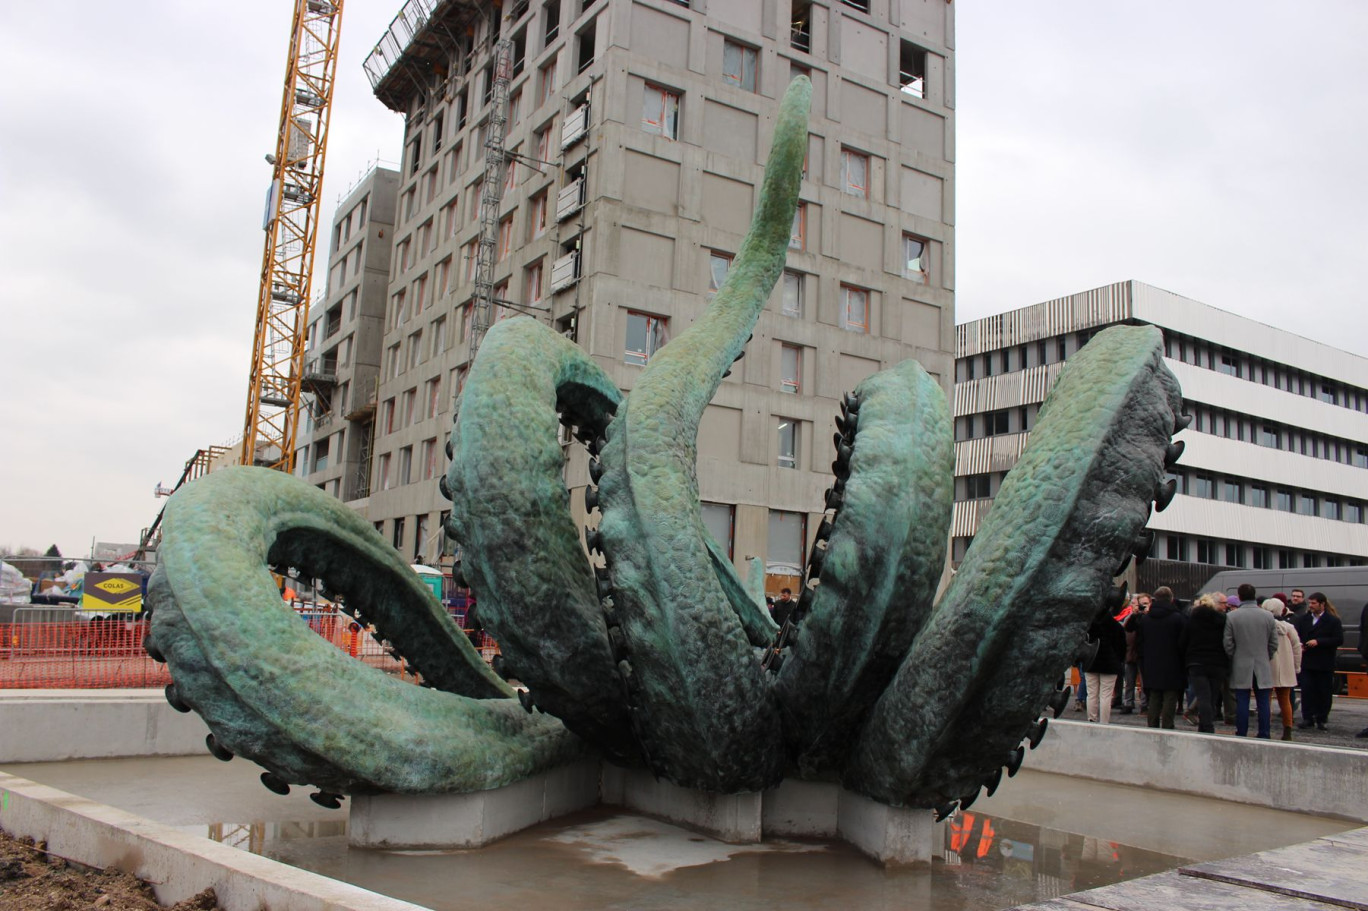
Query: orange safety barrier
(98,653)
(108,653)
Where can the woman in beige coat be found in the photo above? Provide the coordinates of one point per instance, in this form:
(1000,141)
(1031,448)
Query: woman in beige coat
(1286,663)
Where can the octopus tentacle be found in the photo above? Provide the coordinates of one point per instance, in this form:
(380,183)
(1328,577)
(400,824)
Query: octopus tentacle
(881,562)
(272,690)
(535,591)
(1040,568)
(685,647)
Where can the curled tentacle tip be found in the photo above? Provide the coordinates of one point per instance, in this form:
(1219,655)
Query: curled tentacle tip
(526,700)
(1013,763)
(967,801)
(1173,452)
(945,810)
(1037,732)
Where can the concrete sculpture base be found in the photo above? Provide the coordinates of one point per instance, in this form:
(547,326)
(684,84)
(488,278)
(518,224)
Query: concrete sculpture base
(889,835)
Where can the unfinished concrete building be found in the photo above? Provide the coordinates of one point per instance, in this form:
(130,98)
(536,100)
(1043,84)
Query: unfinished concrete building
(346,332)
(601,178)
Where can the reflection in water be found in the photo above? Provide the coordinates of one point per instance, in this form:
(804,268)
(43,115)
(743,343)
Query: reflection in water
(979,846)
(986,862)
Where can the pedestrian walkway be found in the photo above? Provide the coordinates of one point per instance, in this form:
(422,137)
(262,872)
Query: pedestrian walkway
(1347,718)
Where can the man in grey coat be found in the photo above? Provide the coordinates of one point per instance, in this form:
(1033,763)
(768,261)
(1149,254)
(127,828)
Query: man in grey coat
(1251,639)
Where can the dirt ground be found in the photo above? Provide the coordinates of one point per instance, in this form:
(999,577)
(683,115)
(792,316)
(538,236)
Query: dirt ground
(31,879)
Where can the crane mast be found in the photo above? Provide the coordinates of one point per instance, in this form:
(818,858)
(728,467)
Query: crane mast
(292,214)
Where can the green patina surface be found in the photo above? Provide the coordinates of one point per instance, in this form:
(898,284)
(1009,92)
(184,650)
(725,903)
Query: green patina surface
(654,650)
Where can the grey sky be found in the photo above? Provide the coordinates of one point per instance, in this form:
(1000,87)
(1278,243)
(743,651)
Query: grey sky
(1213,149)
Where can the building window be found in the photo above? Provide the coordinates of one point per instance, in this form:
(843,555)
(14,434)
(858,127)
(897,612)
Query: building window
(660,112)
(718,264)
(1353,512)
(854,309)
(1206,551)
(320,460)
(1258,495)
(547,85)
(645,336)
(792,304)
(790,369)
(784,551)
(432,397)
(720,521)
(1230,492)
(916,259)
(551,27)
(997,422)
(739,64)
(912,70)
(1306,504)
(1234,554)
(1330,509)
(382,472)
(1204,486)
(1229,365)
(855,173)
(978,486)
(407,401)
(1176,547)
(1283,500)
(397,538)
(798,233)
(800,26)
(1269,436)
(505,237)
(788,443)
(537,218)
(387,415)
(532,281)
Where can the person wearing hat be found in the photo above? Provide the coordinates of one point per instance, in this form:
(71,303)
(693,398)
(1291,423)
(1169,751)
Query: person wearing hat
(1286,662)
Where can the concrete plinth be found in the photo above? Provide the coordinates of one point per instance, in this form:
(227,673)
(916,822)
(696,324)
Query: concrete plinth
(733,818)
(893,836)
(470,820)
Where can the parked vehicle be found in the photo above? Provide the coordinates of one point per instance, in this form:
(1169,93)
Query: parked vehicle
(1345,586)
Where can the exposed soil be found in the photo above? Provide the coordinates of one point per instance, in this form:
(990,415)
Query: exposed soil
(32,879)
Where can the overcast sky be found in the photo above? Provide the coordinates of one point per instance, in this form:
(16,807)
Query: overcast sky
(1213,149)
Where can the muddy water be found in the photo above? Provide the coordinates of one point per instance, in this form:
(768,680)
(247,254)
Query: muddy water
(1040,836)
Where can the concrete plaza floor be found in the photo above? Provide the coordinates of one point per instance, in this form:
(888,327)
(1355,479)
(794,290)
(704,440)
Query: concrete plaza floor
(1039,837)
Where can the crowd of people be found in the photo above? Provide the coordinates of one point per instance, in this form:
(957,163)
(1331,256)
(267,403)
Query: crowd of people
(1209,659)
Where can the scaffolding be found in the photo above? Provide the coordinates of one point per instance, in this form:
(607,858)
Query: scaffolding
(491,195)
(292,209)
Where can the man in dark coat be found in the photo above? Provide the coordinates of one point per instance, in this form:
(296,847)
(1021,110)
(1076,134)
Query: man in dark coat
(1158,644)
(781,609)
(1321,634)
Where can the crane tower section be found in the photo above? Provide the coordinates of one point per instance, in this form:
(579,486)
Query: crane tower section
(292,210)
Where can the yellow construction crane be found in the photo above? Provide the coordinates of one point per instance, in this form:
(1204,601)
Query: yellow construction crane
(292,210)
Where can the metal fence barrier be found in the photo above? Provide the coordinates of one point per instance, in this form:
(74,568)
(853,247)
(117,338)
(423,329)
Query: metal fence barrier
(58,648)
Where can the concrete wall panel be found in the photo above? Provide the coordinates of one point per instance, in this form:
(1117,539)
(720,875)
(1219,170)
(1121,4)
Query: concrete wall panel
(659,36)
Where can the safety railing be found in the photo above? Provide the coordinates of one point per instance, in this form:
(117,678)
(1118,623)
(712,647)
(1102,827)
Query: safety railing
(64,649)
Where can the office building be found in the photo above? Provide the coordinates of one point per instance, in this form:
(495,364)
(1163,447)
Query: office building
(1275,470)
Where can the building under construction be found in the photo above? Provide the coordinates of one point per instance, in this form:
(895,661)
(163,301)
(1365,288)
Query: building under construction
(595,166)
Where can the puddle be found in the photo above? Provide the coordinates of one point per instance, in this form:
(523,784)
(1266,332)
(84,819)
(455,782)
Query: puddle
(600,859)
